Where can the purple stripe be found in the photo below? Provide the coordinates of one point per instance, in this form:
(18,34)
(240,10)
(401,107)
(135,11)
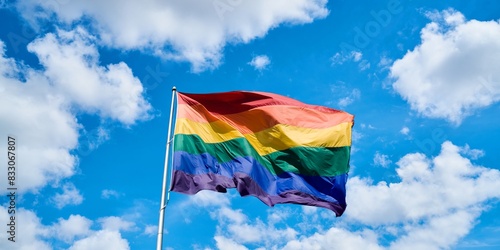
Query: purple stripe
(192,184)
(193,173)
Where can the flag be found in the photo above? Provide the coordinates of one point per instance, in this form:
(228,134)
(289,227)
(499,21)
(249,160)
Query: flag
(269,146)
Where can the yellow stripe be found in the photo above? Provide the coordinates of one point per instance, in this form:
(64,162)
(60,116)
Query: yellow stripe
(276,138)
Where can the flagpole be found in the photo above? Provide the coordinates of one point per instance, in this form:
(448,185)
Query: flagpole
(163,204)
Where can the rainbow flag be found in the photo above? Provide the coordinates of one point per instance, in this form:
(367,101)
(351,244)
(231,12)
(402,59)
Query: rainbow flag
(265,145)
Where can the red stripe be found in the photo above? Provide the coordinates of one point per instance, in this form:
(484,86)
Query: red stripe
(240,101)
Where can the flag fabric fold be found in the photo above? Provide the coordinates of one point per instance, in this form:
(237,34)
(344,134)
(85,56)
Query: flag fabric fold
(269,146)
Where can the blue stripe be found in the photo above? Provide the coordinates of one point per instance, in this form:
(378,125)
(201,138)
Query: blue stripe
(330,189)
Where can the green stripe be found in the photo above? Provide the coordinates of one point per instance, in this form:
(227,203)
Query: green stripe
(310,161)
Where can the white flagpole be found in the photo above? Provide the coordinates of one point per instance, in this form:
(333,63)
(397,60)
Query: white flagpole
(163,205)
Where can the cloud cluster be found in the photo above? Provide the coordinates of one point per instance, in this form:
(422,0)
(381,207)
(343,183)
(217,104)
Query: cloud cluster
(428,187)
(453,72)
(70,196)
(39,107)
(381,160)
(346,95)
(71,63)
(236,227)
(75,231)
(340,58)
(436,203)
(190,30)
(260,62)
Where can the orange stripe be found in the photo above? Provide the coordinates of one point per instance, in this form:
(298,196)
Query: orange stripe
(265,117)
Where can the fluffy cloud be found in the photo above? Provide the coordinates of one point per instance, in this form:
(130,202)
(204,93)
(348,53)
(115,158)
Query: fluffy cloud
(30,232)
(180,30)
(428,187)
(103,239)
(111,91)
(236,227)
(108,194)
(454,70)
(260,62)
(340,58)
(224,243)
(350,98)
(151,230)
(208,199)
(39,106)
(438,232)
(75,226)
(108,237)
(436,203)
(44,128)
(75,232)
(336,238)
(405,130)
(381,160)
(345,94)
(114,223)
(69,196)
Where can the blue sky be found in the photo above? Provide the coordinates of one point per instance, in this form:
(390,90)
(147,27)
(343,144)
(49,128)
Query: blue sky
(85,88)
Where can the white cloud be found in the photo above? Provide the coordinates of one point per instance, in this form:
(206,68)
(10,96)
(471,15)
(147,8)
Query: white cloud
(76,230)
(336,238)
(234,216)
(74,226)
(357,56)
(278,215)
(356,136)
(224,243)
(206,198)
(70,196)
(107,194)
(159,26)
(365,126)
(381,160)
(438,233)
(435,204)
(472,153)
(384,62)
(152,230)
(309,210)
(453,72)
(429,189)
(340,57)
(260,62)
(354,95)
(39,106)
(113,223)
(43,126)
(103,239)
(363,65)
(91,140)
(30,232)
(111,91)
(235,226)
(405,130)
